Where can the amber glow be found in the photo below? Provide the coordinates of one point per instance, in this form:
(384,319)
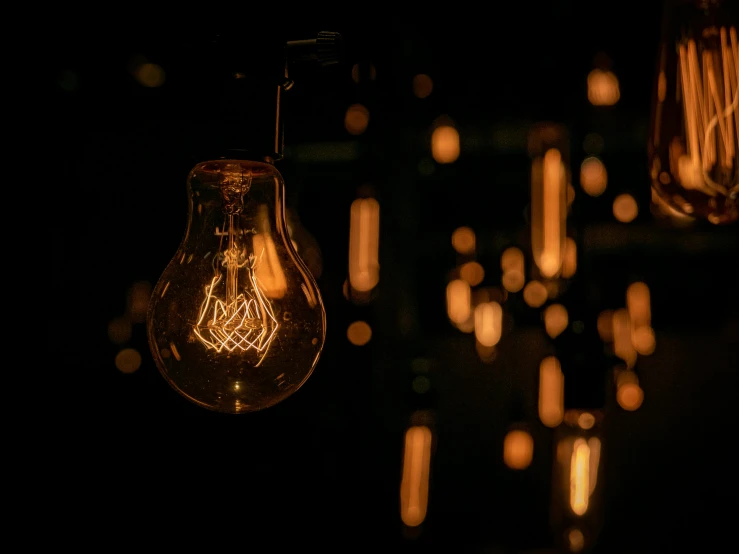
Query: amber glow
(638,303)
(623,346)
(535,294)
(241,321)
(414,485)
(710,93)
(625,208)
(472,272)
(356,119)
(512,266)
(551,392)
(605,325)
(138,301)
(580,477)
(548,212)
(488,323)
(268,270)
(630,396)
(603,88)
(128,360)
(555,319)
(575,540)
(518,449)
(422,85)
(463,240)
(445,144)
(150,75)
(593,176)
(458,301)
(359,333)
(364,240)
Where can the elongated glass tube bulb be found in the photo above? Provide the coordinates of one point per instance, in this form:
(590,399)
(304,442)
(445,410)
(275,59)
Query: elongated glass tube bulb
(236,322)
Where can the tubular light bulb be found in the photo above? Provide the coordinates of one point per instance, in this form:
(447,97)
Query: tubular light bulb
(548,148)
(236,322)
(577,486)
(693,152)
(414,485)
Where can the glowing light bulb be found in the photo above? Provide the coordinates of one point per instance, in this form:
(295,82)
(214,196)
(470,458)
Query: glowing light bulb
(693,152)
(577,486)
(236,322)
(550,179)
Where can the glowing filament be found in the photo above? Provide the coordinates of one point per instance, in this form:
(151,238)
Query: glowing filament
(244,320)
(580,477)
(414,485)
(710,92)
(364,237)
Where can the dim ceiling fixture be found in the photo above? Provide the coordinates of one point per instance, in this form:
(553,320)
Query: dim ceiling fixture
(693,152)
(236,322)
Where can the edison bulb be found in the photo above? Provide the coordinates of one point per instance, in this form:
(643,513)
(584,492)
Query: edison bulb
(694,138)
(236,322)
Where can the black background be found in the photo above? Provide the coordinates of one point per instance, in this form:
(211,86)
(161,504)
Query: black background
(322,469)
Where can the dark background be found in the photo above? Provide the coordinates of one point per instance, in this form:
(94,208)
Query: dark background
(322,469)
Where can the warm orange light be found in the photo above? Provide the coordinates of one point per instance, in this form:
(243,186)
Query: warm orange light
(414,485)
(575,540)
(555,319)
(488,323)
(625,208)
(445,144)
(580,477)
(150,75)
(458,301)
(128,360)
(422,85)
(605,325)
(638,303)
(472,272)
(551,392)
(593,176)
(623,346)
(630,396)
(535,294)
(548,212)
(359,333)
(463,240)
(603,88)
(644,340)
(356,119)
(269,273)
(364,239)
(512,266)
(518,449)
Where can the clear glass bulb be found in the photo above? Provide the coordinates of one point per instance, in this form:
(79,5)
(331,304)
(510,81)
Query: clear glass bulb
(693,154)
(236,322)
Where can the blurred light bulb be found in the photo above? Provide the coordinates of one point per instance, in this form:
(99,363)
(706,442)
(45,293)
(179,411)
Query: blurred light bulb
(693,152)
(548,148)
(577,486)
(236,322)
